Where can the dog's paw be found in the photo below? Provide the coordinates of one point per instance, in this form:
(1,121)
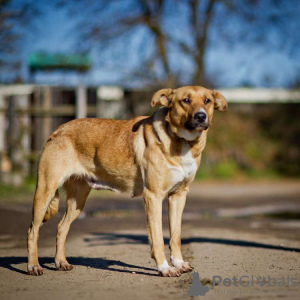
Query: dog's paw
(63,265)
(182,266)
(167,271)
(35,270)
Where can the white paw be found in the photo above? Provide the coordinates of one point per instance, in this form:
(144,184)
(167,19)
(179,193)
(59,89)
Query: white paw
(182,266)
(63,265)
(166,271)
(34,270)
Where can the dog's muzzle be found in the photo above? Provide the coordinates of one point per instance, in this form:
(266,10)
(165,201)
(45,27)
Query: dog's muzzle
(198,122)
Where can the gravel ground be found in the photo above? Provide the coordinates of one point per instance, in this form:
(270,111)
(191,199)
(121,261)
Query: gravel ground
(247,231)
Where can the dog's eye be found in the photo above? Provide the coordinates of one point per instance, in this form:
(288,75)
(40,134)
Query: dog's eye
(206,101)
(186,100)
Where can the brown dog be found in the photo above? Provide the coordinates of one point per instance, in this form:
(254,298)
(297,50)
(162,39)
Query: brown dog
(156,156)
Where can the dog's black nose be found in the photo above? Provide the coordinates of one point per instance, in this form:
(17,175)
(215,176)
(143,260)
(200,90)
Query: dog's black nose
(200,117)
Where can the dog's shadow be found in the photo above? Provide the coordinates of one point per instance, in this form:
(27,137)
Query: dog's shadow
(96,263)
(98,239)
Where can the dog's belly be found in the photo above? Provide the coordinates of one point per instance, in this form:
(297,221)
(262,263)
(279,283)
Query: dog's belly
(101,185)
(133,186)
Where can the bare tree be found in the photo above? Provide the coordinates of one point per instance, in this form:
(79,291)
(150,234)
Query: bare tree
(166,41)
(200,24)
(113,25)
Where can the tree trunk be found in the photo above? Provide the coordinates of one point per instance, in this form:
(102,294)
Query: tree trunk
(200,38)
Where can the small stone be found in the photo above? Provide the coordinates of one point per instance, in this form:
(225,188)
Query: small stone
(133,272)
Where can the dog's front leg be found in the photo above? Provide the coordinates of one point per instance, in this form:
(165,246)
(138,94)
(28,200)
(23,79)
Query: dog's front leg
(153,208)
(176,206)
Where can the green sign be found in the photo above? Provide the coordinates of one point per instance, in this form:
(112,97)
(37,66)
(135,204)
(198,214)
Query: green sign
(46,61)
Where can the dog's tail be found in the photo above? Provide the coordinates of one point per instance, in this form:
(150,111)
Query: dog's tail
(52,207)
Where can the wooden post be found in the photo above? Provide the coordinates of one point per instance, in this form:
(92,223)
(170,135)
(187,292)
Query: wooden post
(19,136)
(22,102)
(99,107)
(81,102)
(37,121)
(2,125)
(2,134)
(47,120)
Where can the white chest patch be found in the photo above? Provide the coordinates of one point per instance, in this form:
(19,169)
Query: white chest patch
(188,135)
(187,168)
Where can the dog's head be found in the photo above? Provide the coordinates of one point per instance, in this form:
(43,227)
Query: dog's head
(191,109)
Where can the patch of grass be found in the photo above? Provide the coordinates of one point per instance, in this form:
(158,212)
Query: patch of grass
(229,169)
(19,193)
(262,174)
(226,169)
(223,170)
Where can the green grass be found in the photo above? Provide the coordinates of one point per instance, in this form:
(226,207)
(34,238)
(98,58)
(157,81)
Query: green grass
(229,170)
(19,193)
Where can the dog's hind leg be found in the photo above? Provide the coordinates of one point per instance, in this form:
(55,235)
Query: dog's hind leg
(44,194)
(77,192)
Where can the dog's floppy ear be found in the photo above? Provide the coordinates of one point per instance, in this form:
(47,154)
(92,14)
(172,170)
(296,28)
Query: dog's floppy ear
(220,101)
(162,97)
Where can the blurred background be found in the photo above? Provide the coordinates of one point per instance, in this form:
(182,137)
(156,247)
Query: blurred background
(63,59)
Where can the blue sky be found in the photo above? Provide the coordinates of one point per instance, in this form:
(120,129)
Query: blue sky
(54,31)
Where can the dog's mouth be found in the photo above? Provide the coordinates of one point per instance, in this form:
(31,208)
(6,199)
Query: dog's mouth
(194,125)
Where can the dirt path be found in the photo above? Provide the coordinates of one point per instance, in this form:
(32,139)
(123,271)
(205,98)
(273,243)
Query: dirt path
(110,251)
